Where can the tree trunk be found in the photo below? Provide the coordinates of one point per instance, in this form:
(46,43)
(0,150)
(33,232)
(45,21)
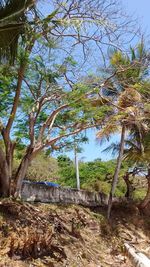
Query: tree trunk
(6,163)
(4,176)
(9,156)
(146,200)
(115,178)
(130,187)
(21,172)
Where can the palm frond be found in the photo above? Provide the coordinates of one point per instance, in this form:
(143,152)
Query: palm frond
(107,131)
(12,10)
(12,22)
(133,55)
(132,155)
(133,150)
(113,148)
(133,144)
(129,97)
(141,50)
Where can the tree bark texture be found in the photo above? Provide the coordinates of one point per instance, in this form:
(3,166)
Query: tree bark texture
(129,185)
(116,174)
(4,176)
(21,172)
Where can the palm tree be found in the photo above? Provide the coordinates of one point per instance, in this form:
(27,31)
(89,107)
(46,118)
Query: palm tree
(134,154)
(12,25)
(126,117)
(128,109)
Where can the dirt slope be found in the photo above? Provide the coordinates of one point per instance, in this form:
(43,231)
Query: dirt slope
(57,236)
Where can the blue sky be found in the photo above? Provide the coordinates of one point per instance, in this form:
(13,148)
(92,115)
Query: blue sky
(93,150)
(135,8)
(141,9)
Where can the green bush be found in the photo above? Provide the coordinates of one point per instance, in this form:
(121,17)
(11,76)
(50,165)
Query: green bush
(139,194)
(43,168)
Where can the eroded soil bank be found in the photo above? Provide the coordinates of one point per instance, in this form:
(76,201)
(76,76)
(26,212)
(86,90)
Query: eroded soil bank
(58,236)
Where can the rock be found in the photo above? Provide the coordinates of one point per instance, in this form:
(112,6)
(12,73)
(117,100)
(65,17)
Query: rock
(138,259)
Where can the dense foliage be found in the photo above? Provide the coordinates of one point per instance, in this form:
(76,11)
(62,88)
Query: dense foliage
(95,175)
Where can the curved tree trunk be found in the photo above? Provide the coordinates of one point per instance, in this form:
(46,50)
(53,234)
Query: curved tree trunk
(21,172)
(146,200)
(20,175)
(118,166)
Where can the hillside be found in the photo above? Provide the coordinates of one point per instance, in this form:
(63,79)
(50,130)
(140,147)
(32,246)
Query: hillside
(50,235)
